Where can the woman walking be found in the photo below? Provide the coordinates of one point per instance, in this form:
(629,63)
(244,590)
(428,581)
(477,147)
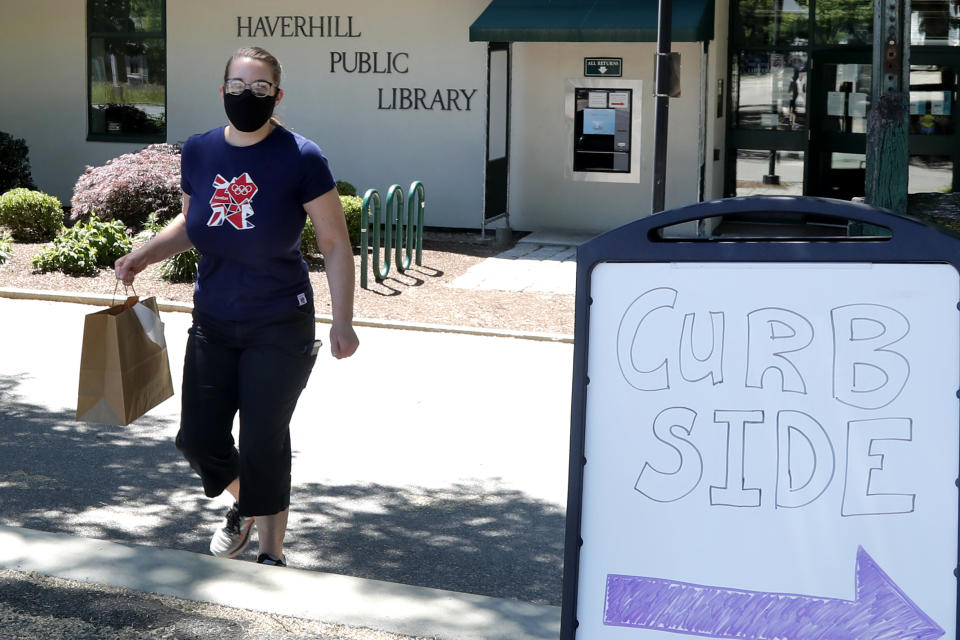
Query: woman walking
(247,189)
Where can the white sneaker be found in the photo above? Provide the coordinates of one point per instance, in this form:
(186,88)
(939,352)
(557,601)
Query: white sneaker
(231,539)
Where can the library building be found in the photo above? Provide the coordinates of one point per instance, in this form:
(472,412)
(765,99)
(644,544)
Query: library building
(533,115)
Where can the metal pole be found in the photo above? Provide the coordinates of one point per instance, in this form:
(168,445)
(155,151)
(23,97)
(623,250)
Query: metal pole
(663,105)
(888,121)
(775,88)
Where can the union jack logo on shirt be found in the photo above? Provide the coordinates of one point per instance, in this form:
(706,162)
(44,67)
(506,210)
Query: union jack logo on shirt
(231,202)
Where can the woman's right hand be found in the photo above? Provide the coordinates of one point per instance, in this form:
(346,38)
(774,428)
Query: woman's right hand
(127,267)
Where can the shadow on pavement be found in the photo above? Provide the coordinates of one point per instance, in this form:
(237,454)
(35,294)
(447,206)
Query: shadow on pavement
(129,484)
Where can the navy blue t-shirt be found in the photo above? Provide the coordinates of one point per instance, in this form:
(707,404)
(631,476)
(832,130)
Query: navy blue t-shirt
(246,216)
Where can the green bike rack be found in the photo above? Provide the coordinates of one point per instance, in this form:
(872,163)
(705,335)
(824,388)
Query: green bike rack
(414,235)
(407,238)
(372,197)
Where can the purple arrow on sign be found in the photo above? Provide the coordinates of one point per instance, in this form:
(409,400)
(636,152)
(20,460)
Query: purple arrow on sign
(881,610)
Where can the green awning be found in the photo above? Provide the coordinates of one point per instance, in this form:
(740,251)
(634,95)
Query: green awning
(589,21)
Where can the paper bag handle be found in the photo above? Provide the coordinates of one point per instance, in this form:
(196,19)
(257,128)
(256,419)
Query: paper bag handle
(131,300)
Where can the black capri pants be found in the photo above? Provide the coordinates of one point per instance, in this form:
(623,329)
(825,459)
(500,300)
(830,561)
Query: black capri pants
(258,368)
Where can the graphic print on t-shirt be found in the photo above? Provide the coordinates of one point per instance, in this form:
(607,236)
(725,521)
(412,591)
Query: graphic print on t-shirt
(231,202)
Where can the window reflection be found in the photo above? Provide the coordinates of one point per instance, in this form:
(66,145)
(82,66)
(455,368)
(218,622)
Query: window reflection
(935,22)
(930,174)
(932,93)
(846,174)
(844,22)
(772,22)
(770,90)
(127,86)
(847,98)
(769,172)
(127,70)
(125,16)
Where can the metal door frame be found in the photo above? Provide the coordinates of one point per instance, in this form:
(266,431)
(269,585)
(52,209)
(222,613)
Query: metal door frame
(485,220)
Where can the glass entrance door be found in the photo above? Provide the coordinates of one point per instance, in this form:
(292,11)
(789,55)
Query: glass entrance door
(800,91)
(840,91)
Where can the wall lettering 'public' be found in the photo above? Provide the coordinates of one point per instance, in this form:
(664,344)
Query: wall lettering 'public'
(296,27)
(369,62)
(359,62)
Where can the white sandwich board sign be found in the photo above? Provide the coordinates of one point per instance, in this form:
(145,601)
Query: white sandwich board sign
(764,434)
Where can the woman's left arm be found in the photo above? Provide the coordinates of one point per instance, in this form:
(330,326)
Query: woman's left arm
(330,225)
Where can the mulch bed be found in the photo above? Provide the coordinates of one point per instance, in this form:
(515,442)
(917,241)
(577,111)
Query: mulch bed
(421,294)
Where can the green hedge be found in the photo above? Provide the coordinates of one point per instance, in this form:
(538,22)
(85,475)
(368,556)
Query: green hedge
(351,211)
(6,247)
(31,216)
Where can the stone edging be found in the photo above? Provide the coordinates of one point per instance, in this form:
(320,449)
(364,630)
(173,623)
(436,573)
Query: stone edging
(186,307)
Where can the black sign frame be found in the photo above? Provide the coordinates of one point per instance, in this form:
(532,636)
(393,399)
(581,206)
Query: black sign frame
(911,241)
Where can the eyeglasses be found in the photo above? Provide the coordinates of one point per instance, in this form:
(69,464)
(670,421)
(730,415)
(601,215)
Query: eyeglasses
(259,88)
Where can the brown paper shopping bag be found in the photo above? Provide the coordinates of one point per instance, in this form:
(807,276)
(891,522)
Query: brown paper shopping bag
(124,370)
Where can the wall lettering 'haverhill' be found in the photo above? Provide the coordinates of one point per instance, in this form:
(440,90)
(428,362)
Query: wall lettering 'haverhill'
(360,63)
(296,27)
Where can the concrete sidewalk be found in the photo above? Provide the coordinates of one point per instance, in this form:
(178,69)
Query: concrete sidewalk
(538,263)
(423,460)
(331,598)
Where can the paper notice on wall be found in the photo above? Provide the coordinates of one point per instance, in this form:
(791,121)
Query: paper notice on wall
(597,100)
(940,104)
(917,107)
(859,125)
(619,100)
(836,103)
(858,105)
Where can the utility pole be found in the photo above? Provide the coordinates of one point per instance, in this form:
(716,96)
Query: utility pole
(888,123)
(662,114)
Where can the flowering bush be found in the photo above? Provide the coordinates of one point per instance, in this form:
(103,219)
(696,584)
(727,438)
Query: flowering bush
(131,187)
(30,215)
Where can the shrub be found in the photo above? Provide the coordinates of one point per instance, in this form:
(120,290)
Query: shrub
(14,164)
(131,187)
(308,239)
(6,247)
(30,215)
(85,247)
(345,188)
(179,268)
(151,227)
(351,210)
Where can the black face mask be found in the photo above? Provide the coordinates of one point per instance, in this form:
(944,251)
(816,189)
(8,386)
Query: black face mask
(246,111)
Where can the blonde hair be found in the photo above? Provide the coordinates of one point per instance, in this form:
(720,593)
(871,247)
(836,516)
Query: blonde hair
(258,53)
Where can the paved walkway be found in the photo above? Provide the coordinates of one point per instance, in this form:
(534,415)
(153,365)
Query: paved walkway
(413,490)
(539,263)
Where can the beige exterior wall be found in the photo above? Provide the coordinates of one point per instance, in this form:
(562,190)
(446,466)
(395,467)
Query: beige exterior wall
(348,114)
(44,45)
(542,195)
(368,146)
